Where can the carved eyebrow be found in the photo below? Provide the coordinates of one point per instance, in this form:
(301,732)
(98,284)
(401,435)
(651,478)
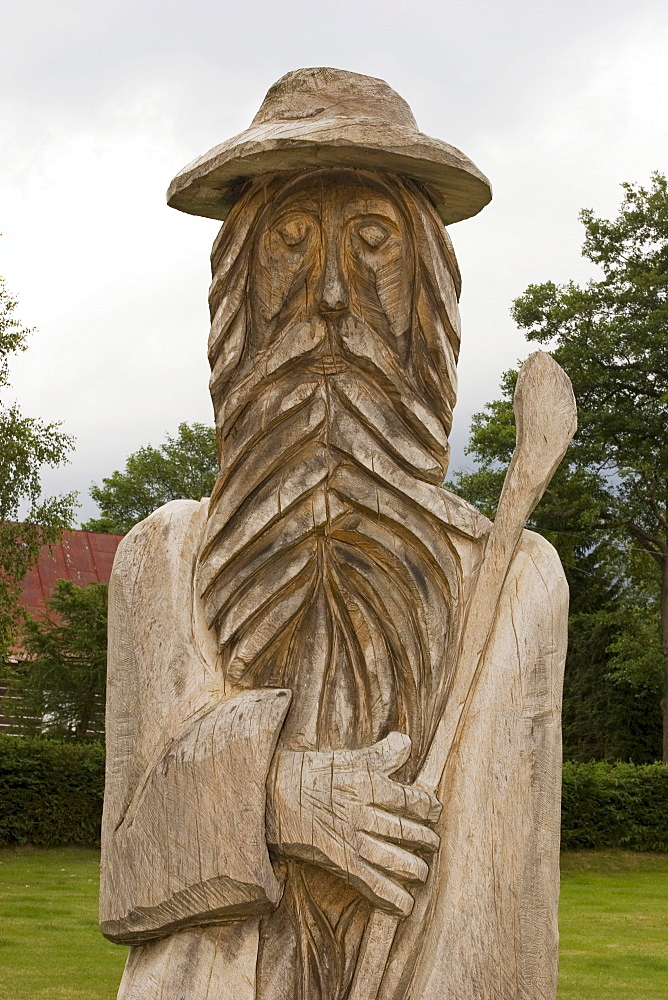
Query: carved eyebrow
(374,218)
(301,208)
(372,207)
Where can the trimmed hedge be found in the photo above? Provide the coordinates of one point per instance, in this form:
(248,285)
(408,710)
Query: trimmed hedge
(51,794)
(615,805)
(50,791)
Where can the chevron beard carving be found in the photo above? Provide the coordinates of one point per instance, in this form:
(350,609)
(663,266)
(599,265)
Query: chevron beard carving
(333,347)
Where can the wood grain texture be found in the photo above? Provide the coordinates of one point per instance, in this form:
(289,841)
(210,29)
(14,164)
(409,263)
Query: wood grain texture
(324,117)
(322,552)
(546,419)
(283,655)
(181,746)
(326,567)
(486,924)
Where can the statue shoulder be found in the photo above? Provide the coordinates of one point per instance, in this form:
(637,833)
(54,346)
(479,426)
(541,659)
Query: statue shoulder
(539,558)
(540,550)
(165,537)
(151,588)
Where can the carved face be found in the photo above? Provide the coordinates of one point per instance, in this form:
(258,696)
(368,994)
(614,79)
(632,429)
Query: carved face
(333,343)
(333,246)
(327,567)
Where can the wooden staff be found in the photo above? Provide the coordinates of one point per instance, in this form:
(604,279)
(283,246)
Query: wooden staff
(546,420)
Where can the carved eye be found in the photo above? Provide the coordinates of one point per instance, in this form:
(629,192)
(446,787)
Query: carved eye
(293,231)
(373,234)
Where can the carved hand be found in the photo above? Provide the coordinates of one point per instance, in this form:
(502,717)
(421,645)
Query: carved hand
(342,811)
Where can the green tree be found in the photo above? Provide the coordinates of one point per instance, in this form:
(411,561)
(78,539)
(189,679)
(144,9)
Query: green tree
(59,689)
(607,507)
(185,467)
(613,684)
(26,444)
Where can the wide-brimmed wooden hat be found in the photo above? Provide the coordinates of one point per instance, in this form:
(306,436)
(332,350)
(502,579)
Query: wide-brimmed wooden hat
(314,118)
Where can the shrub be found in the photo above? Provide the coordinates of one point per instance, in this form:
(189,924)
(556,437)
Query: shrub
(615,805)
(50,791)
(51,794)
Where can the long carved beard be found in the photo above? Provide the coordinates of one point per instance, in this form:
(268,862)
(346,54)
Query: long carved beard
(320,571)
(327,566)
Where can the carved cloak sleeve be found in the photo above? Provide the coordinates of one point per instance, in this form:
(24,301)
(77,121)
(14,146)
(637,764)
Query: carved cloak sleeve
(484,925)
(183,838)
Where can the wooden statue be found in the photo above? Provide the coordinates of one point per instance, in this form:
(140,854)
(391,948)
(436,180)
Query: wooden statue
(333,765)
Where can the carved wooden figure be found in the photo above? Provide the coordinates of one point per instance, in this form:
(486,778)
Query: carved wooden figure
(334,687)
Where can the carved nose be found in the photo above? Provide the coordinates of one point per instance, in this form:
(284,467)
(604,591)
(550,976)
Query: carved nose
(332,297)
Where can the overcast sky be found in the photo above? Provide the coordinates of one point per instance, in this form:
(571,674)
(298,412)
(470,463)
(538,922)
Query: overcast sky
(104,101)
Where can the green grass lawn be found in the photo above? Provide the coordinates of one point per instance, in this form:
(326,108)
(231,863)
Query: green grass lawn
(50,946)
(614,927)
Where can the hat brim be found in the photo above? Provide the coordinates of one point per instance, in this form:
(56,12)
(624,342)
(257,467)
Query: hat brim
(209,186)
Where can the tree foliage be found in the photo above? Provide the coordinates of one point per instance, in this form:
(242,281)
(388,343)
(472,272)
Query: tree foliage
(51,791)
(606,509)
(59,689)
(184,467)
(26,444)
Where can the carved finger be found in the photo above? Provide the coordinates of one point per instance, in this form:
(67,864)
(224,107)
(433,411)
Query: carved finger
(403,831)
(388,755)
(394,859)
(381,891)
(436,808)
(407,800)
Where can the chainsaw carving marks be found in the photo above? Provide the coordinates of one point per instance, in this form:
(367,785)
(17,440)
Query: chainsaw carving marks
(326,568)
(333,735)
(333,347)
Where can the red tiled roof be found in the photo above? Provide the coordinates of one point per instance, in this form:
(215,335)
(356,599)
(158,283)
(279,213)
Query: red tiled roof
(81,556)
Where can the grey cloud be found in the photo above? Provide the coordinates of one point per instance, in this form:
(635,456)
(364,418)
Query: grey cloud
(557,101)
